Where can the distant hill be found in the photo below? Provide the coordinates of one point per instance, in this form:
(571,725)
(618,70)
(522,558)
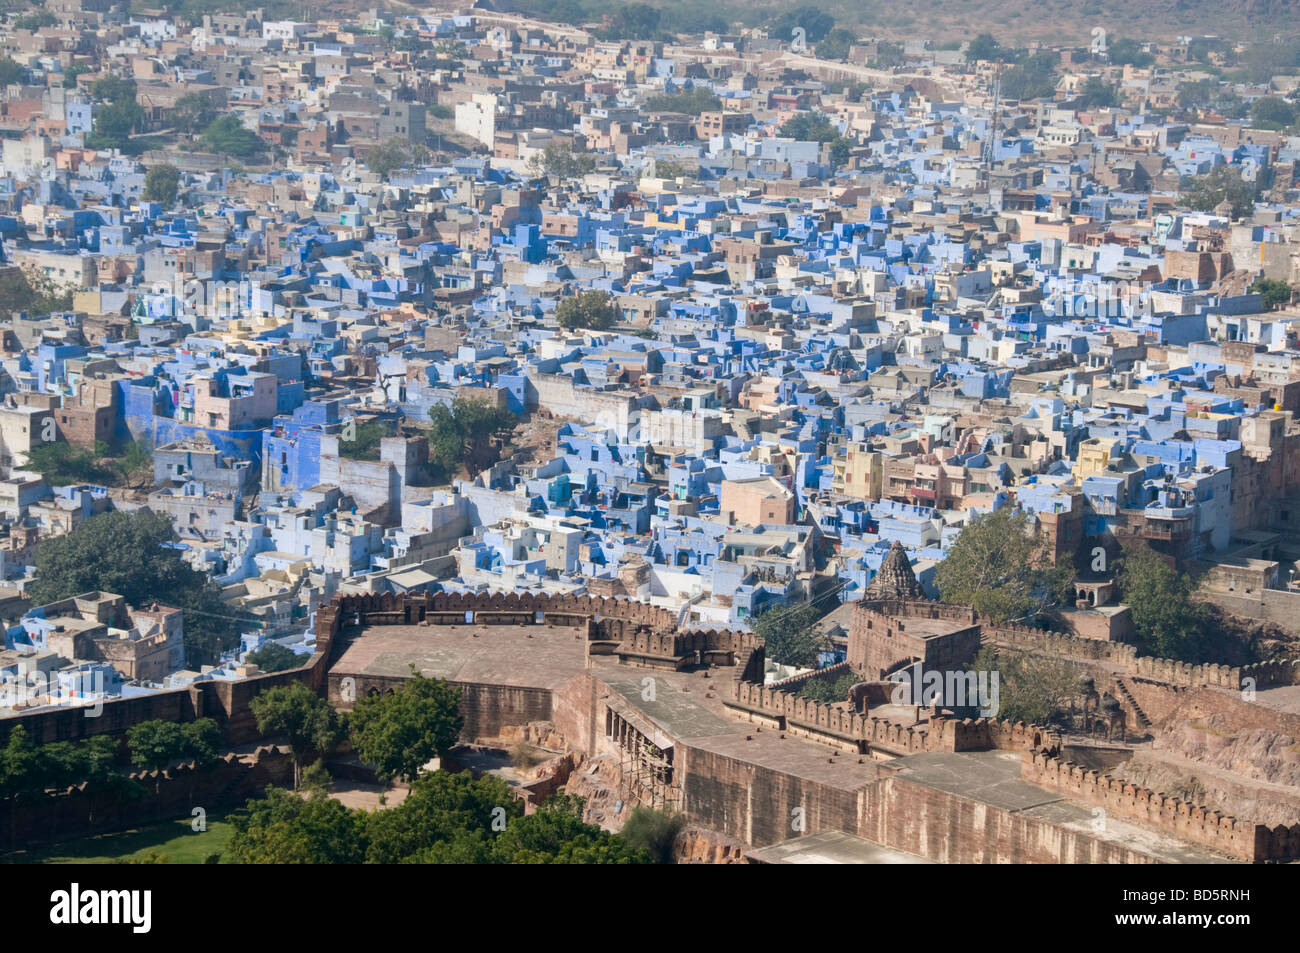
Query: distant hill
(1070,22)
(1059,22)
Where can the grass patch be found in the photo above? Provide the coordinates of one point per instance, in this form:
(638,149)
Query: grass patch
(174,840)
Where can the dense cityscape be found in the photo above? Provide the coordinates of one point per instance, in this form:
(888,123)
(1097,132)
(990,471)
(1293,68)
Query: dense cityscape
(546,433)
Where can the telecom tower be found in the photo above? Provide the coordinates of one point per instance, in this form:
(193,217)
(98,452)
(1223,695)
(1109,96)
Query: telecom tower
(986,154)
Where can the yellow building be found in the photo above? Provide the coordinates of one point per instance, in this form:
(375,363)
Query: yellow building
(859,473)
(1095,455)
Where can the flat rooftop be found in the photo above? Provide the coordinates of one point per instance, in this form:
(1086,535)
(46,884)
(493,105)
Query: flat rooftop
(833,847)
(930,628)
(993,778)
(529,656)
(679,703)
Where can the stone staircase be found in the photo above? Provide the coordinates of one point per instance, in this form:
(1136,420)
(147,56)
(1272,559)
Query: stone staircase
(1126,699)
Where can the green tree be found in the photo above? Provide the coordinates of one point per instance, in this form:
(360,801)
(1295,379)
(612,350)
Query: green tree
(61,464)
(1033,688)
(1167,622)
(814,127)
(135,463)
(668,169)
(632,21)
(157,745)
(698,99)
(227,135)
(132,555)
(23,774)
(556,834)
(114,89)
(998,566)
(815,22)
(984,47)
(274,657)
(393,154)
(469,432)
(1097,94)
(365,444)
(284,828)
(35,20)
(11,71)
(593,310)
(653,831)
(301,716)
(888,55)
(1127,51)
(398,733)
(113,125)
(836,45)
(1269,112)
(1274,291)
(443,807)
(1034,77)
(445,818)
(117,116)
(1262,61)
(162,184)
(561,160)
(72,72)
(47,296)
(827,691)
(1223,183)
(791,634)
(96,768)
(192,114)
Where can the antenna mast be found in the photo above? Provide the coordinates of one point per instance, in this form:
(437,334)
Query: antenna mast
(987,155)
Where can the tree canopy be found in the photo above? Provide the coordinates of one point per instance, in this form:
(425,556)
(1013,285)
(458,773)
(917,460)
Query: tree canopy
(836,45)
(117,116)
(815,22)
(227,135)
(593,310)
(998,565)
(470,432)
(157,745)
(162,184)
(365,441)
(1033,688)
(283,828)
(814,127)
(561,160)
(1034,77)
(791,634)
(984,47)
(274,657)
(694,101)
(133,555)
(396,153)
(308,721)
(32,291)
(1274,292)
(1097,93)
(401,731)
(192,113)
(1223,183)
(1167,622)
(445,818)
(1270,112)
(1127,51)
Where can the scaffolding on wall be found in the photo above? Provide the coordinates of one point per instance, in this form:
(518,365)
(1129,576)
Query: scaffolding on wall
(645,766)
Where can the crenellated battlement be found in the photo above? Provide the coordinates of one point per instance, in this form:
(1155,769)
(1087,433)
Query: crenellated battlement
(1192,822)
